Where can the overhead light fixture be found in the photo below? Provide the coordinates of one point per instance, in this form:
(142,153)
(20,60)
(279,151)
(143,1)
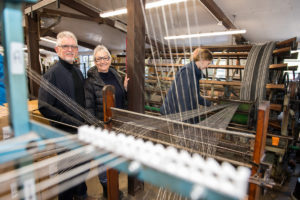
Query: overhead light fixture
(162,3)
(48,40)
(114,13)
(25,49)
(147,6)
(232,32)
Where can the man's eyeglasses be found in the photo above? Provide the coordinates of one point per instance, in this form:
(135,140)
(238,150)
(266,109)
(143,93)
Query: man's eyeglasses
(106,58)
(67,47)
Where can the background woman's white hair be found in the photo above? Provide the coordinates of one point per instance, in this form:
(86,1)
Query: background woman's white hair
(101,48)
(65,34)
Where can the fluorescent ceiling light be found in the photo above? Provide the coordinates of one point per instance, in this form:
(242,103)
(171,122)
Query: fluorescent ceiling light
(232,32)
(25,49)
(48,40)
(161,3)
(114,13)
(147,6)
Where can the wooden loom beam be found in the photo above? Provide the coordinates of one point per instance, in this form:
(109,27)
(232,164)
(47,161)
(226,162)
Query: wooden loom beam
(292,42)
(32,40)
(112,174)
(259,146)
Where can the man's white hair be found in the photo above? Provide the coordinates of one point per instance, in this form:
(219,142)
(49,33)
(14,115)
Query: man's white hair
(65,34)
(101,48)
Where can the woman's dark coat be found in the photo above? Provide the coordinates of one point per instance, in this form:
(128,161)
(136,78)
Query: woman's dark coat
(93,91)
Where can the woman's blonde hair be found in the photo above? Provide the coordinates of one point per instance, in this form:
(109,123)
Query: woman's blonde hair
(201,54)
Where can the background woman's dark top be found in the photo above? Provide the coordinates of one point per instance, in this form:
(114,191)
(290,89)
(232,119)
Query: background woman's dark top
(184,95)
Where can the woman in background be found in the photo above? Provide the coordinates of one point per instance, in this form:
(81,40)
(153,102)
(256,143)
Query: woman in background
(184,94)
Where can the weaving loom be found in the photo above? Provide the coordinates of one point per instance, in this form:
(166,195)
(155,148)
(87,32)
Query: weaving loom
(34,141)
(24,177)
(239,149)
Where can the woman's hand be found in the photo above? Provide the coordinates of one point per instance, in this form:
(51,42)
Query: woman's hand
(126,82)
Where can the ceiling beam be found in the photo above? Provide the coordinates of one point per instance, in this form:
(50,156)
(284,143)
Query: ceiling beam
(154,43)
(38,5)
(219,14)
(88,12)
(47,11)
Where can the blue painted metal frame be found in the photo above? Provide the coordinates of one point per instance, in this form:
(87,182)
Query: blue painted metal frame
(16,84)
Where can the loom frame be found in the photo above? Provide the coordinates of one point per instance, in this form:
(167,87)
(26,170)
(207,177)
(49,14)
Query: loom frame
(17,97)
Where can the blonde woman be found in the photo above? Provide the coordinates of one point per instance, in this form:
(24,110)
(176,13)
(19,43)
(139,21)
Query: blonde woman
(184,94)
(99,76)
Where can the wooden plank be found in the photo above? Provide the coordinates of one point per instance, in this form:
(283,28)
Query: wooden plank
(69,15)
(112,174)
(276,107)
(292,42)
(283,66)
(165,65)
(229,48)
(278,66)
(32,40)
(285,51)
(210,66)
(225,55)
(275,86)
(231,54)
(118,64)
(135,69)
(232,83)
(227,66)
(259,145)
(293,56)
(38,5)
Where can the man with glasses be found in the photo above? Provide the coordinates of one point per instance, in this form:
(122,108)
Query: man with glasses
(67,78)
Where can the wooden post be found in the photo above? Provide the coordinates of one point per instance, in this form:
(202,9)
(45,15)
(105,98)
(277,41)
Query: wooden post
(135,54)
(32,40)
(259,146)
(112,175)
